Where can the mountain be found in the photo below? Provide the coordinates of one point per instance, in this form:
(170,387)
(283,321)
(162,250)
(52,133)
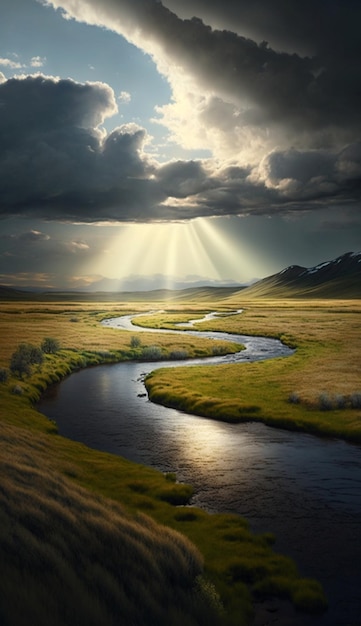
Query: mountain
(9,293)
(191,294)
(339,278)
(155,282)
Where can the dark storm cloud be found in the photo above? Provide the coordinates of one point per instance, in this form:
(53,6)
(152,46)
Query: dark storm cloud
(181,179)
(308,27)
(57,163)
(54,160)
(311,86)
(315,92)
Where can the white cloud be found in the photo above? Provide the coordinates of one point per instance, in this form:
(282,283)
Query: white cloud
(124,97)
(37,61)
(77,246)
(240,97)
(12,65)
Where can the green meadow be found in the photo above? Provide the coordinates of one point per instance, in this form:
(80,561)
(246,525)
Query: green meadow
(317,390)
(91,538)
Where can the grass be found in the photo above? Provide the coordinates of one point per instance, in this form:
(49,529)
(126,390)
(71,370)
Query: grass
(90,532)
(69,556)
(317,390)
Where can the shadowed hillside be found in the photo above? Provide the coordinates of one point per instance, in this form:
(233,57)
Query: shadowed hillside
(340,278)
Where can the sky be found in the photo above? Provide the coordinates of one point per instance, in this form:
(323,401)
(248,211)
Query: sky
(148,144)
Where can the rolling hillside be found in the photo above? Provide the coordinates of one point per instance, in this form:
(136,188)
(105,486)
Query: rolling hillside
(339,278)
(192,294)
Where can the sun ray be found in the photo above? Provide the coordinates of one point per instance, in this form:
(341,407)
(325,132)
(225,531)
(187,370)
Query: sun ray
(231,258)
(176,250)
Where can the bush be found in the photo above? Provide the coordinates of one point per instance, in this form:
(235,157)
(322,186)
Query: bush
(151,353)
(325,402)
(340,401)
(4,375)
(294,398)
(50,345)
(217,350)
(178,355)
(355,400)
(135,342)
(24,357)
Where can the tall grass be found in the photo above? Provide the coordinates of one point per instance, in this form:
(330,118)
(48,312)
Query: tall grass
(70,557)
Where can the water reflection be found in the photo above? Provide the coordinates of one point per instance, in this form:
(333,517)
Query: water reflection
(305,490)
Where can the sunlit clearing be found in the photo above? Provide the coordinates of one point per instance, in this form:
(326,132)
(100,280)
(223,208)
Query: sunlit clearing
(175,250)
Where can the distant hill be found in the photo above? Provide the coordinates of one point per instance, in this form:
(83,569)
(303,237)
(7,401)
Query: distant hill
(339,278)
(8,293)
(192,294)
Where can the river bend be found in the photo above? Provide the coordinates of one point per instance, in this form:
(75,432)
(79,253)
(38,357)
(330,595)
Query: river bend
(305,489)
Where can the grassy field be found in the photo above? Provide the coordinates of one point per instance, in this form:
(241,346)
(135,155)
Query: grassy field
(94,536)
(317,390)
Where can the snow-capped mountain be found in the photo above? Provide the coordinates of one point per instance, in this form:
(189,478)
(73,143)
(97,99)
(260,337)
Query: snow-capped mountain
(340,277)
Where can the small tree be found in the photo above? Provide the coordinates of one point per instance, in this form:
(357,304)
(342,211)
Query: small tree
(20,362)
(36,355)
(50,345)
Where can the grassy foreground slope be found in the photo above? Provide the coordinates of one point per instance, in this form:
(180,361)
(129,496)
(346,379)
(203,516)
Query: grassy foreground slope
(71,557)
(82,533)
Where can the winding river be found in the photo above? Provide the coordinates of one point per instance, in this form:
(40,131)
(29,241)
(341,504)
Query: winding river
(305,489)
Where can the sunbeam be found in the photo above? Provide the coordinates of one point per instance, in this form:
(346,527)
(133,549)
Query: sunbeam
(178,250)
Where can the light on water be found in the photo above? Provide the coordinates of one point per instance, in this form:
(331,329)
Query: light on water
(304,489)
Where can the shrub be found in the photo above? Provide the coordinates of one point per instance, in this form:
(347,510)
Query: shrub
(294,398)
(20,361)
(325,402)
(355,400)
(151,353)
(4,375)
(50,345)
(24,357)
(340,402)
(36,355)
(217,350)
(135,342)
(178,355)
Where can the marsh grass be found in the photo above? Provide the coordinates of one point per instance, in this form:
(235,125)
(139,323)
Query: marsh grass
(73,534)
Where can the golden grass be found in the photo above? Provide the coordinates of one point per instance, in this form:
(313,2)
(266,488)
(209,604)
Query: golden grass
(327,361)
(44,477)
(71,557)
(77,327)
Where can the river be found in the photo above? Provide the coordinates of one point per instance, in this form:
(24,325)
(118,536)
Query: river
(305,489)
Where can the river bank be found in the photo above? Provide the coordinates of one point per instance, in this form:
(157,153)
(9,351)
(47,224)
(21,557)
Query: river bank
(294,498)
(85,336)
